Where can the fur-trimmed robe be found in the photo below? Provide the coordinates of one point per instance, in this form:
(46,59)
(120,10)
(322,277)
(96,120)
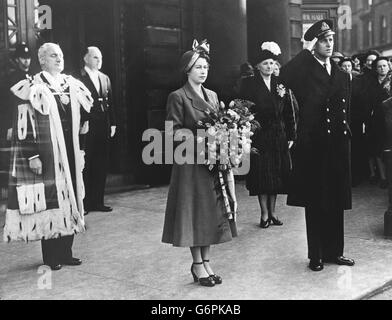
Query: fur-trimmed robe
(46,206)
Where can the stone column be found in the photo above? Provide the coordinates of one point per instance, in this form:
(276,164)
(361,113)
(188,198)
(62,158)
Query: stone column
(269,20)
(225,27)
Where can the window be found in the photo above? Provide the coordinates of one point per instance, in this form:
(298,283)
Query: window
(12,22)
(345,44)
(368,34)
(36,16)
(354,5)
(367,4)
(354,38)
(383,30)
(2,25)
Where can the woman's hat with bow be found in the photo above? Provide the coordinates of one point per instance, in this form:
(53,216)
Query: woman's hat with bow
(189,58)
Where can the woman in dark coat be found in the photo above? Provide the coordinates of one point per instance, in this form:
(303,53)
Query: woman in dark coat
(380,90)
(195,217)
(274,110)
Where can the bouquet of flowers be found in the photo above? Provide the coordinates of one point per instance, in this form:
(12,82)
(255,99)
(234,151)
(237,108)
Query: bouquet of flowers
(228,140)
(228,131)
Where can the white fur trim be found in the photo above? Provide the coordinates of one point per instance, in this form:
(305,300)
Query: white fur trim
(22,89)
(48,224)
(31,198)
(69,217)
(22,121)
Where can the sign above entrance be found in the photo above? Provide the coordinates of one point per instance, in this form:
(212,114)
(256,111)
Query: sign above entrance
(314,16)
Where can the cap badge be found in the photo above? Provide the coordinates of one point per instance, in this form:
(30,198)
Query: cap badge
(324,26)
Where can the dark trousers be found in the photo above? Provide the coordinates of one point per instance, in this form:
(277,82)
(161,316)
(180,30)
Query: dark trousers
(325,214)
(325,231)
(57,251)
(95,171)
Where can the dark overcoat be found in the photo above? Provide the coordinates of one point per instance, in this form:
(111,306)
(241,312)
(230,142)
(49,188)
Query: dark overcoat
(275,112)
(323,132)
(194,214)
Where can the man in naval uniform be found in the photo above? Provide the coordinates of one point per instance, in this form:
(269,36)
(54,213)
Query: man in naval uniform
(102,127)
(321,178)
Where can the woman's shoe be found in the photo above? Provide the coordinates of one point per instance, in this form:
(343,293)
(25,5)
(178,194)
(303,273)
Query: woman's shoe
(217,279)
(275,221)
(264,224)
(206,282)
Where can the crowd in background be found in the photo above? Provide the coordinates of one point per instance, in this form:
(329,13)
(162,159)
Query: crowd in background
(370,76)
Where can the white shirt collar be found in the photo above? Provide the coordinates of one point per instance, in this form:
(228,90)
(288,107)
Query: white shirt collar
(267,83)
(94,76)
(327,63)
(91,72)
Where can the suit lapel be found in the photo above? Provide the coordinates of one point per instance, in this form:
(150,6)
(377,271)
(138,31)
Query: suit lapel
(197,102)
(271,95)
(334,83)
(90,84)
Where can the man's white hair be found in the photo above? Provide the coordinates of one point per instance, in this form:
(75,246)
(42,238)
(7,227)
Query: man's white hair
(89,49)
(43,49)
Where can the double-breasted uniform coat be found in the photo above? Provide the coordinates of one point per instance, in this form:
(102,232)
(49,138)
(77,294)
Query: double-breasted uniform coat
(97,140)
(194,214)
(321,176)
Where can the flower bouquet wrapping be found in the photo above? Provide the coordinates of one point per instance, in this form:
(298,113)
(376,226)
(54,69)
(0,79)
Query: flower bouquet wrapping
(228,132)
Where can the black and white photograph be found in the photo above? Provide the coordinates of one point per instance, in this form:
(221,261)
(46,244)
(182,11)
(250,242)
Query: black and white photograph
(204,151)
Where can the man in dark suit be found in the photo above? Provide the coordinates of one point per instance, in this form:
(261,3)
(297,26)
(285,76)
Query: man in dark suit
(101,128)
(321,178)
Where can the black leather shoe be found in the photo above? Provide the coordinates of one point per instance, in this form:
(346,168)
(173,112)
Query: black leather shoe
(316,265)
(217,279)
(73,262)
(55,267)
(103,209)
(275,221)
(342,261)
(264,224)
(206,282)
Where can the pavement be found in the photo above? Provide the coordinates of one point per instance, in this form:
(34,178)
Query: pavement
(123,257)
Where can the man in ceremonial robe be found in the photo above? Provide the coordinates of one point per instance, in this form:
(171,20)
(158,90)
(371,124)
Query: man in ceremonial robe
(46,186)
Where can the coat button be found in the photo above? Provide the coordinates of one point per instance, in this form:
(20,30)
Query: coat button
(344,100)
(345,133)
(344,121)
(327,109)
(329,131)
(344,110)
(328,120)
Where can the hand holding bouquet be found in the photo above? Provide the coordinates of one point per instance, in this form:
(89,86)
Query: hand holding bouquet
(228,132)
